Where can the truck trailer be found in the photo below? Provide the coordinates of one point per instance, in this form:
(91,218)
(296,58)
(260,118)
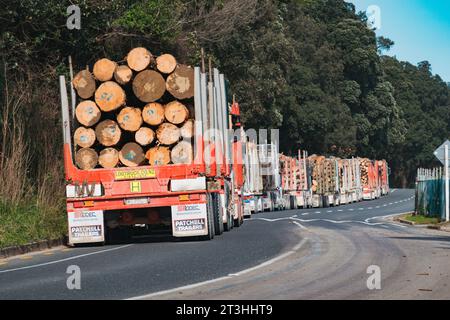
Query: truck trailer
(201,199)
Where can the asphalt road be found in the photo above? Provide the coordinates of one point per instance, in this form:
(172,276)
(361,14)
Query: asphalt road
(297,254)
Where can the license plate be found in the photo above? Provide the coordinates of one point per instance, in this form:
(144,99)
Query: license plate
(135,174)
(135,201)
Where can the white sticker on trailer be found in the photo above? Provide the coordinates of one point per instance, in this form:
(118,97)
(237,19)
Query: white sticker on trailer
(86,226)
(189,220)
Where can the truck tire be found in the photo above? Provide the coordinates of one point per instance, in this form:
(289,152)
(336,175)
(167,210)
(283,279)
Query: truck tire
(229,225)
(218,214)
(210,215)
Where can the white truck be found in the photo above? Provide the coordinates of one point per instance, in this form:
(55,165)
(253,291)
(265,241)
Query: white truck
(253,183)
(269,162)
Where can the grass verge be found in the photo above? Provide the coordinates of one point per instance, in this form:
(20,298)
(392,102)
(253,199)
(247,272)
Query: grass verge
(420,219)
(25,223)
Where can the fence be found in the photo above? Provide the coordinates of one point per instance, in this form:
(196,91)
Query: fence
(430,193)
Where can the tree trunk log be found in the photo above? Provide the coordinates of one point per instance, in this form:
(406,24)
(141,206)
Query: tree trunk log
(87,113)
(182,153)
(139,59)
(108,133)
(86,158)
(168,134)
(109,158)
(181,82)
(84,84)
(110,96)
(153,114)
(187,130)
(158,156)
(144,136)
(123,75)
(104,69)
(131,155)
(166,63)
(84,137)
(176,112)
(130,119)
(149,86)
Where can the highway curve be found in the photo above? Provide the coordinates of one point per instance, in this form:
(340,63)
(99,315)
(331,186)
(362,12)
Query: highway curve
(297,254)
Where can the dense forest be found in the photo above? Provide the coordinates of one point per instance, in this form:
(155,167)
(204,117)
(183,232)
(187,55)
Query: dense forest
(311,68)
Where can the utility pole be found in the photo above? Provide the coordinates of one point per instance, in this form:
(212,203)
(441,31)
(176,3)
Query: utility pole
(447,209)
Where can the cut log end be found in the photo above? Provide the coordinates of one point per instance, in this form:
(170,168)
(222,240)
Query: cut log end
(139,59)
(109,158)
(87,113)
(104,69)
(166,63)
(180,83)
(84,84)
(176,112)
(131,155)
(182,153)
(153,114)
(158,156)
(168,134)
(144,136)
(130,119)
(108,133)
(110,96)
(149,86)
(84,137)
(86,159)
(187,130)
(123,75)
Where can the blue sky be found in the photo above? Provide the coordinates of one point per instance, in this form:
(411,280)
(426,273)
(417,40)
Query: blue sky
(420,29)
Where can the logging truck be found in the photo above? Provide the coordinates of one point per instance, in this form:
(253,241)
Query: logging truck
(253,185)
(198,197)
(272,198)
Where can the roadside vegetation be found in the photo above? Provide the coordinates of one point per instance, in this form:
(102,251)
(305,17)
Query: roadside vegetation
(420,219)
(311,68)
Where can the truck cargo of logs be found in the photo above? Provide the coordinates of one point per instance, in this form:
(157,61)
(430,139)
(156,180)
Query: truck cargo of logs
(135,112)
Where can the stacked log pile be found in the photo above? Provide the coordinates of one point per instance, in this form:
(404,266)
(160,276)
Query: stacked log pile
(365,168)
(323,174)
(134,113)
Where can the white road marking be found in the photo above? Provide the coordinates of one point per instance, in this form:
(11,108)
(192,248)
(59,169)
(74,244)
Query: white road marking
(329,211)
(340,210)
(300,225)
(66,259)
(305,214)
(231,275)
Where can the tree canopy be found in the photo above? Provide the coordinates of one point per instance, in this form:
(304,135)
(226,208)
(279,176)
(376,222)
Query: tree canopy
(311,68)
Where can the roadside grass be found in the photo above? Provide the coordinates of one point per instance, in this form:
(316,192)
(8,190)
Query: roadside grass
(420,219)
(25,223)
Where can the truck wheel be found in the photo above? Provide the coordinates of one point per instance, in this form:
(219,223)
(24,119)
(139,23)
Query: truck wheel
(210,215)
(229,225)
(218,214)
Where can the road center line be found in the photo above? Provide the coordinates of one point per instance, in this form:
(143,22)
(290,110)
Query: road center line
(230,276)
(63,260)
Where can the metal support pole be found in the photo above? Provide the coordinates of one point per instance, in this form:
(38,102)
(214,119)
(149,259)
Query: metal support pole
(447,213)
